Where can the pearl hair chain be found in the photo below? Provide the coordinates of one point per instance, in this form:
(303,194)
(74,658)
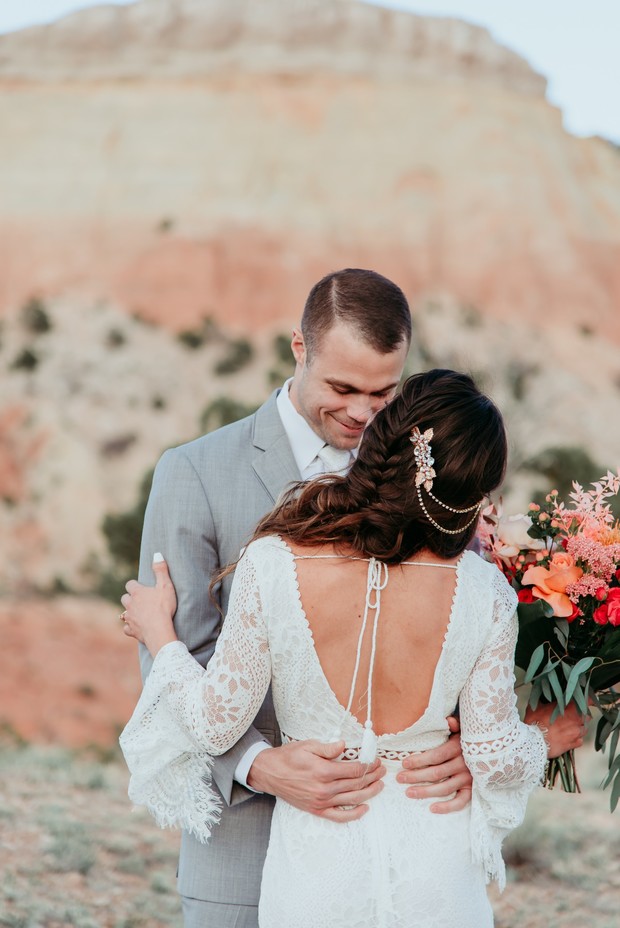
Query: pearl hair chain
(425,473)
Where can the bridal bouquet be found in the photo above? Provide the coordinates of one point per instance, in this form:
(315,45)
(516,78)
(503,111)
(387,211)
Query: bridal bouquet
(563,560)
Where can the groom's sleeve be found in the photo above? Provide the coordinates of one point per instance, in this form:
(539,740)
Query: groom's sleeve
(178,522)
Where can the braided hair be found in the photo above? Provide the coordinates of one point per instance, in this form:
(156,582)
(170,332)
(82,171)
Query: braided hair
(375,510)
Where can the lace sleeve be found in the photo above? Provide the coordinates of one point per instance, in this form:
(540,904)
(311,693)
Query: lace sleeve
(505,756)
(186,715)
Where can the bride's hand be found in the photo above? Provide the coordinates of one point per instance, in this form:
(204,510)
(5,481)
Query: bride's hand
(149,609)
(565,733)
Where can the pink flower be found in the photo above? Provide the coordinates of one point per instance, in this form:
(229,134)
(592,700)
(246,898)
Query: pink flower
(600,615)
(609,612)
(550,584)
(613,606)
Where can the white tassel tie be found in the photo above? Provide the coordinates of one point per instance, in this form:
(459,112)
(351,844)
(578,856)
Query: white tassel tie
(376,581)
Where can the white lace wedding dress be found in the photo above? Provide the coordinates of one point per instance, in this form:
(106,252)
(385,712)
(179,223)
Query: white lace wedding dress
(400,865)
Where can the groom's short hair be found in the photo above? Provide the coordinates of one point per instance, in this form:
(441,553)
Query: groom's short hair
(368,302)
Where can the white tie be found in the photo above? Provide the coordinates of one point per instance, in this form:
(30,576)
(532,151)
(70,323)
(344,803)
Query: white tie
(334,460)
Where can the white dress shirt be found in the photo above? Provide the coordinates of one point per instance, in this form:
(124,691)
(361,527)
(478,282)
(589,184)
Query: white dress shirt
(305,445)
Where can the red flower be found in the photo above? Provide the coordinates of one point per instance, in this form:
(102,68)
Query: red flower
(601,594)
(525,595)
(613,606)
(575,613)
(600,615)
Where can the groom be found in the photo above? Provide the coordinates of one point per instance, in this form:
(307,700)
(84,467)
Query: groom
(206,499)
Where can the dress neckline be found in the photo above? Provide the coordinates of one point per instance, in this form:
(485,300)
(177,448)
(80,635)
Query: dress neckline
(355,557)
(346,713)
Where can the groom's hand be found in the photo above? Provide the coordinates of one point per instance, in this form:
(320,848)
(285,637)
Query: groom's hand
(308,775)
(439,772)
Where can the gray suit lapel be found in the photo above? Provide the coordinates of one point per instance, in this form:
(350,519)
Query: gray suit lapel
(272,461)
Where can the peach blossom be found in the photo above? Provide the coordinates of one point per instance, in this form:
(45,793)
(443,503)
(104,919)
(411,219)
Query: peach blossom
(550,584)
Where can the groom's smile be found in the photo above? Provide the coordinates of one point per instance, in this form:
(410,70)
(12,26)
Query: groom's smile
(343,383)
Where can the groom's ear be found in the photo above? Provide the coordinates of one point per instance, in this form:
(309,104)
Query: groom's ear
(298,347)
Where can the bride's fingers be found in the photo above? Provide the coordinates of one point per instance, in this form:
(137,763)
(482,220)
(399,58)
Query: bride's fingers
(126,600)
(132,586)
(460,801)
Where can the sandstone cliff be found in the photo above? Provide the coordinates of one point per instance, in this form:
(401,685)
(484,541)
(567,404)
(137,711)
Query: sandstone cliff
(183,156)
(177,159)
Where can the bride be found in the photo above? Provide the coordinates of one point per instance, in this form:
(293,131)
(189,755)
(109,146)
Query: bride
(359,601)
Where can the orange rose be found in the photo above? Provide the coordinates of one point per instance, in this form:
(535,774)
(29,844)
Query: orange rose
(560,560)
(550,584)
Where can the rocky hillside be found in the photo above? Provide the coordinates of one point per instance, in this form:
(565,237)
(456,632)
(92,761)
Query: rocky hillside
(180,160)
(192,156)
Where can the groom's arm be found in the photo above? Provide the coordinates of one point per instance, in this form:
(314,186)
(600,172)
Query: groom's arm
(178,522)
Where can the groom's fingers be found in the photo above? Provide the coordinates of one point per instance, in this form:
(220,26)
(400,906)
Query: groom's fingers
(441,788)
(356,797)
(345,815)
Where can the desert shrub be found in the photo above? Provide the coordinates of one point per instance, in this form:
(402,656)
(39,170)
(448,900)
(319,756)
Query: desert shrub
(26,360)
(518,374)
(123,532)
(34,316)
(240,353)
(206,332)
(561,465)
(165,225)
(115,338)
(285,362)
(282,349)
(420,357)
(471,317)
(114,447)
(223,411)
(71,847)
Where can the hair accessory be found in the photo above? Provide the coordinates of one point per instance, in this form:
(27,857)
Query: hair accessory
(423,458)
(425,474)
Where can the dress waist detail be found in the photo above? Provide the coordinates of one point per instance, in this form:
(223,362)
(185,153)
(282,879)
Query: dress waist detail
(354,753)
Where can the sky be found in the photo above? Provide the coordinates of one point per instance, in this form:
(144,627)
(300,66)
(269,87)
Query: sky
(574,43)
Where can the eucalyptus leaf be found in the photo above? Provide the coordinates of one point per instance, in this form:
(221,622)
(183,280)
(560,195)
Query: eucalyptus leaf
(535,662)
(557,689)
(603,729)
(580,667)
(535,695)
(580,699)
(615,793)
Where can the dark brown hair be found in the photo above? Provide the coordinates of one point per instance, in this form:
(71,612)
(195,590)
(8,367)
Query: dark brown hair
(375,510)
(365,300)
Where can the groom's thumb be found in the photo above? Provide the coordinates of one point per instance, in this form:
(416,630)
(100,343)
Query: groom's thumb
(160,569)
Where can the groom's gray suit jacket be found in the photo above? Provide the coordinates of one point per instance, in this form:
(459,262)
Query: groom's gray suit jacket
(206,500)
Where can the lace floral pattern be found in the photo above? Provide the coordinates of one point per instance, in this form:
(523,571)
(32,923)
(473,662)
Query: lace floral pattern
(186,715)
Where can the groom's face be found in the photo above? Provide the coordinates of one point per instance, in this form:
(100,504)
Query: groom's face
(344,382)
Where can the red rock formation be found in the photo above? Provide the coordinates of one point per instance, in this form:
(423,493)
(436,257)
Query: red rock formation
(187,158)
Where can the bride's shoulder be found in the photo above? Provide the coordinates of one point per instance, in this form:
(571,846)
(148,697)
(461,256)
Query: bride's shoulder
(267,548)
(490,575)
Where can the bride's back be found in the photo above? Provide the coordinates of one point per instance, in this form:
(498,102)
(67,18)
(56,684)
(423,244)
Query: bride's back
(415,613)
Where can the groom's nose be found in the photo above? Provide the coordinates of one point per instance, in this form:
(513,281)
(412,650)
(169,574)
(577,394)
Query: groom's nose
(360,408)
